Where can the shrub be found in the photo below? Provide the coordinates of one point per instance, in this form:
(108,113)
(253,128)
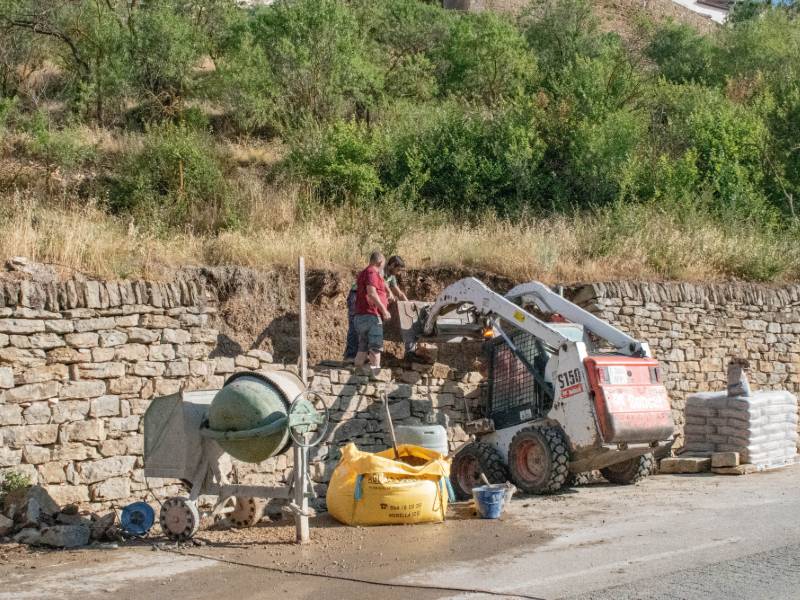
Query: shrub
(464,159)
(316,55)
(683,55)
(11,481)
(486,59)
(340,162)
(176,179)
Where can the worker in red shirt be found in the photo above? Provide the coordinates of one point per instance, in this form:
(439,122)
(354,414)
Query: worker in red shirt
(372,302)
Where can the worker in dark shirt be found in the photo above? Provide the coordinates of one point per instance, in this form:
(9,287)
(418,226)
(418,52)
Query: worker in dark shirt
(371,310)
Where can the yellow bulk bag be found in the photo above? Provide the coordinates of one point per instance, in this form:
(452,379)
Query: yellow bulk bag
(375,489)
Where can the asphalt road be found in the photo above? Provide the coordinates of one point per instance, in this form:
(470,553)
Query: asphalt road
(771,574)
(670,537)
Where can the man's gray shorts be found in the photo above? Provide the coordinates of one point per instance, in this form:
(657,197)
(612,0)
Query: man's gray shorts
(370,333)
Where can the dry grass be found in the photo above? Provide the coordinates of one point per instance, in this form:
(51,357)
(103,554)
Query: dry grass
(638,244)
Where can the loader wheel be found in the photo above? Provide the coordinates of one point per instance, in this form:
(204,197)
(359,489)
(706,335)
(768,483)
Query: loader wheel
(629,471)
(538,459)
(472,460)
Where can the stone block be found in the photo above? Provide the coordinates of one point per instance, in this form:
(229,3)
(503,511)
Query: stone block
(65,536)
(159,322)
(81,431)
(108,370)
(72,451)
(123,424)
(37,413)
(203,335)
(68,356)
(125,385)
(200,368)
(113,447)
(69,494)
(105,406)
(106,468)
(10,414)
(82,340)
(53,472)
(131,352)
(148,369)
(21,326)
(224,365)
(101,355)
(59,326)
(54,372)
(35,455)
(681,465)
(32,392)
(724,459)
(70,410)
(140,335)
(200,351)
(261,355)
(161,352)
(115,488)
(9,457)
(112,338)
(737,470)
(38,435)
(175,336)
(177,368)
(42,341)
(82,389)
(6,526)
(6,378)
(84,325)
(246,362)
(22,358)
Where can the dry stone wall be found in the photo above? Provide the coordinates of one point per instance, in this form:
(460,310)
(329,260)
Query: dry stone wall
(695,329)
(81,360)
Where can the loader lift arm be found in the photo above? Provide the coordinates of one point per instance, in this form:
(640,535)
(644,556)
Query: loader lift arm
(509,308)
(548,301)
(490,304)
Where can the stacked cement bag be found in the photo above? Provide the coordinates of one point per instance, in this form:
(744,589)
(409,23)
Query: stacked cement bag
(761,427)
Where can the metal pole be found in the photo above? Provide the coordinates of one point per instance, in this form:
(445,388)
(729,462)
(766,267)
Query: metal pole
(300,495)
(303,340)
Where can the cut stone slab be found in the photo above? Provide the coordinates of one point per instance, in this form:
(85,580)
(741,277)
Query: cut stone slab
(65,536)
(724,459)
(737,470)
(682,465)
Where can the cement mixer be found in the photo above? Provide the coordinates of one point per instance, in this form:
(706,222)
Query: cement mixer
(191,436)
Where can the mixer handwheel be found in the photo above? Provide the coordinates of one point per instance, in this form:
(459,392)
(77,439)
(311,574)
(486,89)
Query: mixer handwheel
(179,518)
(308,419)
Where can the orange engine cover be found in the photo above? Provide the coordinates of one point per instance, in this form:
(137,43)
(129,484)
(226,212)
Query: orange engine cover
(631,402)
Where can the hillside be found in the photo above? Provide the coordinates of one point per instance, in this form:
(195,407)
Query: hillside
(557,139)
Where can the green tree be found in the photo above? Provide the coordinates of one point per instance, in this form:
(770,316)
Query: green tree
(317,56)
(485,58)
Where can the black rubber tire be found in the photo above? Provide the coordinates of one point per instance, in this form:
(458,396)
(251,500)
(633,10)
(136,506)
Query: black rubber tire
(472,460)
(551,446)
(630,471)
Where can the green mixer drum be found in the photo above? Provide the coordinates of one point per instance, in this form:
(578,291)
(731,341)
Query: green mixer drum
(248,401)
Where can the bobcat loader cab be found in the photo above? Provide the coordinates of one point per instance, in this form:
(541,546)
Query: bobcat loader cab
(562,397)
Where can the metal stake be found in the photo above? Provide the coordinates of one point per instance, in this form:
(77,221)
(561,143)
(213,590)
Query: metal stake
(303,340)
(300,495)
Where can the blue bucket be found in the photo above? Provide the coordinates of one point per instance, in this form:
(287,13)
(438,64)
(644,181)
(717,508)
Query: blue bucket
(490,500)
(137,518)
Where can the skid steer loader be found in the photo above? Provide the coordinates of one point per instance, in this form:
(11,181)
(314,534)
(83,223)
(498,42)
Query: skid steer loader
(566,393)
